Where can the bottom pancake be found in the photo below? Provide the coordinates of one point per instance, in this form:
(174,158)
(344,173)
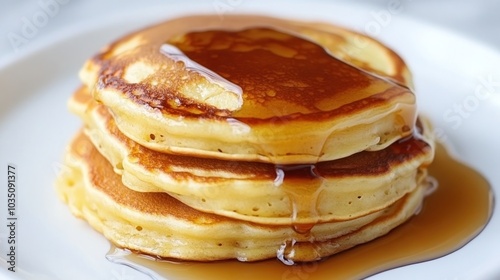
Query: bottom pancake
(159,225)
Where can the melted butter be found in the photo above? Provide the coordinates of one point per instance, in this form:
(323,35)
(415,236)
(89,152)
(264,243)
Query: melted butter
(450,217)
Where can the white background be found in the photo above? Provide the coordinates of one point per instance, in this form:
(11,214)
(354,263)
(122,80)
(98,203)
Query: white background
(477,19)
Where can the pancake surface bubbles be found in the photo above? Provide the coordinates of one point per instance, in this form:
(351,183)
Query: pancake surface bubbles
(298,102)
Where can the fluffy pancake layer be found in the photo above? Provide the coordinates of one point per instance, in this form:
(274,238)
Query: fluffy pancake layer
(258,192)
(298,104)
(157,224)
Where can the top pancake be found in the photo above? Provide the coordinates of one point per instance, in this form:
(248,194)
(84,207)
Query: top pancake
(254,88)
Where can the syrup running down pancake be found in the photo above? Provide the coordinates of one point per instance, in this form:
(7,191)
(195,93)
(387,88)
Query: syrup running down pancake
(246,138)
(233,90)
(361,184)
(159,225)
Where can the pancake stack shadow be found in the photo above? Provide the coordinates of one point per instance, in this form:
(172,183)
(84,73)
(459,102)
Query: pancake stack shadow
(249,138)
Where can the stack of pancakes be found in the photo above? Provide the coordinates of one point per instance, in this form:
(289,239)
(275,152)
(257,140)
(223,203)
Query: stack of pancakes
(248,137)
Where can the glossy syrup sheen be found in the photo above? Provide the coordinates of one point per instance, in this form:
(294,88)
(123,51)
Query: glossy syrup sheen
(280,70)
(273,66)
(450,217)
(271,61)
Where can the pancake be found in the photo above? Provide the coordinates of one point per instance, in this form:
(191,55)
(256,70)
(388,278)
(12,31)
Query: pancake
(263,193)
(281,92)
(159,225)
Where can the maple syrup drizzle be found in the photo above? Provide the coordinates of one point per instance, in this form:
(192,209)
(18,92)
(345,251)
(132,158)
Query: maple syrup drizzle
(303,192)
(452,215)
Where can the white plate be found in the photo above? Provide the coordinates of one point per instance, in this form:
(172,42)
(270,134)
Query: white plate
(450,72)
